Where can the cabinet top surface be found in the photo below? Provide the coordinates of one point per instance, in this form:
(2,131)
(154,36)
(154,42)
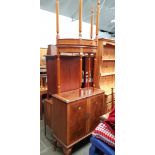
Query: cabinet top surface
(77,94)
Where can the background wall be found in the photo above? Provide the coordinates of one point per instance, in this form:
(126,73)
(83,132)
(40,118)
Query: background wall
(67,28)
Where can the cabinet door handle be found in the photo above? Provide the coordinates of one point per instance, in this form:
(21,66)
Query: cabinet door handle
(79,108)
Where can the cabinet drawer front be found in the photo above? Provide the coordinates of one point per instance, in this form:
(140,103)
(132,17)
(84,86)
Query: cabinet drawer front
(97,109)
(77,120)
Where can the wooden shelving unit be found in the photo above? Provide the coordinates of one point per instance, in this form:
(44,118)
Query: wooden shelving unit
(106,69)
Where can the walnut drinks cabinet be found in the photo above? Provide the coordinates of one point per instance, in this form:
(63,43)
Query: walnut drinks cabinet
(75,115)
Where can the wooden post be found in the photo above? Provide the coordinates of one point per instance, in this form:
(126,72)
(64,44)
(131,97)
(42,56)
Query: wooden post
(57,19)
(91,23)
(97,19)
(94,76)
(58,72)
(97,29)
(80,81)
(89,72)
(80,19)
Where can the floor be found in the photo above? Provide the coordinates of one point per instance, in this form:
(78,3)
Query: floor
(46,148)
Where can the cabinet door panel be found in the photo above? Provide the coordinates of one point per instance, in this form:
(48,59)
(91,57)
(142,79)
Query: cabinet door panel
(97,109)
(77,120)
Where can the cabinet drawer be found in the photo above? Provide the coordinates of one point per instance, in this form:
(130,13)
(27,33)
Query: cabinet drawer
(77,120)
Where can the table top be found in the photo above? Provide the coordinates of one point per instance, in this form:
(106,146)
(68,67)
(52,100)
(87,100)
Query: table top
(77,94)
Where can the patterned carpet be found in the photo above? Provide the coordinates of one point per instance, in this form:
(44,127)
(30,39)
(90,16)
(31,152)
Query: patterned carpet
(46,148)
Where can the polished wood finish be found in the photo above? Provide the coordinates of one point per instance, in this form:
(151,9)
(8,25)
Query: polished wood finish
(106,65)
(77,120)
(97,19)
(76,46)
(69,73)
(96,110)
(94,76)
(80,18)
(105,77)
(57,18)
(73,95)
(89,70)
(91,23)
(80,78)
(58,73)
(72,105)
(77,42)
(76,115)
(51,65)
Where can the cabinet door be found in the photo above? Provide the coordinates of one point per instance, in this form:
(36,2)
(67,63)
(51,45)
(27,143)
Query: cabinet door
(97,108)
(77,118)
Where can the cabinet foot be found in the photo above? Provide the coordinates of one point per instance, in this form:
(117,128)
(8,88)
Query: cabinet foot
(67,151)
(55,143)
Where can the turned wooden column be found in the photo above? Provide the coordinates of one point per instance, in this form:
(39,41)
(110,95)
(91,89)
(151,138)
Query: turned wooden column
(80,79)
(80,18)
(91,23)
(97,29)
(94,75)
(57,19)
(58,72)
(89,71)
(97,20)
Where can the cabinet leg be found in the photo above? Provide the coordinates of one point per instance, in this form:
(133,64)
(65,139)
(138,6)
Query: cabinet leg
(41,109)
(45,128)
(55,143)
(67,151)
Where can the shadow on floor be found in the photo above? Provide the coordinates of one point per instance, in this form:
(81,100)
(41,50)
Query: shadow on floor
(46,148)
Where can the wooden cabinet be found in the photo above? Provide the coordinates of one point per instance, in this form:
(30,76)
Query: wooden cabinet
(69,73)
(77,118)
(76,114)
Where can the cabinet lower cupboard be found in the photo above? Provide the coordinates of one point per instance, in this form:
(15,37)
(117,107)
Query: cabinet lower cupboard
(76,114)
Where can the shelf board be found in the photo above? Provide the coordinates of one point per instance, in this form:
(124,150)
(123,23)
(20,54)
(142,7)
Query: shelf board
(108,59)
(108,43)
(107,74)
(107,90)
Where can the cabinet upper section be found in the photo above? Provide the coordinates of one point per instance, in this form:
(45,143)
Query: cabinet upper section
(76,45)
